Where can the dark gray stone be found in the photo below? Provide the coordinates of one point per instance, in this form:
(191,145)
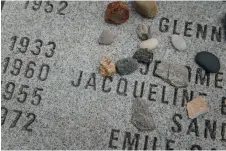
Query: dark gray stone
(126,66)
(143,55)
(208,61)
(141,116)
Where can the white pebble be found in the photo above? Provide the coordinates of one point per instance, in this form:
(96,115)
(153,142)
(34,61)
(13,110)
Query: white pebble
(178,42)
(150,44)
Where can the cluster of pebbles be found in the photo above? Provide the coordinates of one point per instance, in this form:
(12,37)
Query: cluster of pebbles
(118,13)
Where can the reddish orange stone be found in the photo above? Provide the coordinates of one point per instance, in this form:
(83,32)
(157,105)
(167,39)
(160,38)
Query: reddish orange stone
(117,12)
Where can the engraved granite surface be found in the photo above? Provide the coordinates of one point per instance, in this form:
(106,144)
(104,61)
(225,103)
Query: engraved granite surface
(54,98)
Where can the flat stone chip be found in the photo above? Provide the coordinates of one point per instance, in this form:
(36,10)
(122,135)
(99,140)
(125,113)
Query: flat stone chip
(141,116)
(196,107)
(106,67)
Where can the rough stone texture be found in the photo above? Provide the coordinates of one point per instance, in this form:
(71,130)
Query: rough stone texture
(117,12)
(146,8)
(106,37)
(176,75)
(162,70)
(142,116)
(150,44)
(143,55)
(208,61)
(142,31)
(106,67)
(82,118)
(126,66)
(178,42)
(196,107)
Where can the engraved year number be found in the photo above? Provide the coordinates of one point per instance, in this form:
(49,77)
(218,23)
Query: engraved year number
(30,116)
(47,6)
(30,68)
(22,45)
(21,93)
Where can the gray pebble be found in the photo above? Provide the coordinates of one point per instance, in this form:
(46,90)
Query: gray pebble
(126,66)
(143,56)
(141,116)
(142,31)
(106,37)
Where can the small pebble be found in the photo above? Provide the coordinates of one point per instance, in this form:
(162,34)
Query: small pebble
(143,56)
(142,31)
(150,44)
(178,42)
(146,8)
(117,12)
(126,66)
(208,61)
(106,67)
(106,37)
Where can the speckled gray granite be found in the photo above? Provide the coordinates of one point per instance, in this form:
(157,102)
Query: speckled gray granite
(58,111)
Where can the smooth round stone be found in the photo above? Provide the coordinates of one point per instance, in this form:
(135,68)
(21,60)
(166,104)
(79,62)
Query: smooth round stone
(106,37)
(179,42)
(126,66)
(208,61)
(150,44)
(143,56)
(146,8)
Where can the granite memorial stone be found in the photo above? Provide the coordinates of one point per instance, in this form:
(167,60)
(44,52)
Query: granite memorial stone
(54,98)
